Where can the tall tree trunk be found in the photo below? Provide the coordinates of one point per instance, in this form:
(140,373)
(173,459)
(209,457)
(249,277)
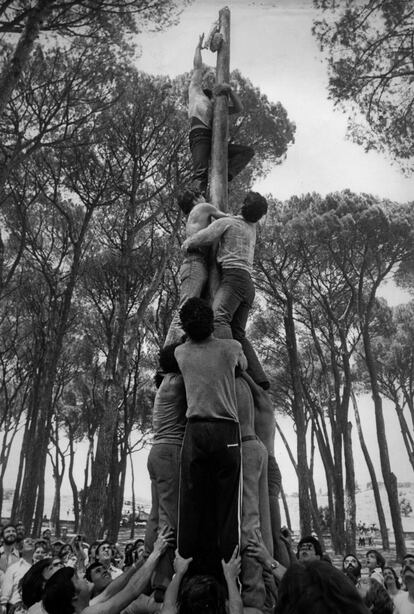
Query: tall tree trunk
(374,482)
(350,505)
(132,533)
(286,509)
(390,480)
(75,493)
(305,513)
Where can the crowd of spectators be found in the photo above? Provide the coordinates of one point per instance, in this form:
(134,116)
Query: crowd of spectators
(66,575)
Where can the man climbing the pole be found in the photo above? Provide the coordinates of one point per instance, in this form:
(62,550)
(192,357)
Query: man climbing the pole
(234,297)
(201,94)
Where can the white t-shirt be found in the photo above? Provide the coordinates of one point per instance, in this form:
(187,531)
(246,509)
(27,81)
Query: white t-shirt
(403,604)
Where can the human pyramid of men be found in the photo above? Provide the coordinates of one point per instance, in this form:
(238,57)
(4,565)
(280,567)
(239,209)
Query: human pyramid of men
(213,421)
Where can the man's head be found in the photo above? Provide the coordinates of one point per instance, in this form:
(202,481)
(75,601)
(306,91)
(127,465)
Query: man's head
(62,590)
(27,545)
(47,534)
(197,319)
(309,549)
(317,586)
(209,80)
(254,207)
(99,575)
(351,567)
(9,534)
(407,572)
(104,553)
(390,577)
(188,199)
(374,560)
(202,595)
(21,532)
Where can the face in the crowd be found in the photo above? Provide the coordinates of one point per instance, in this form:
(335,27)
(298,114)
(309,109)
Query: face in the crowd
(66,553)
(39,554)
(20,530)
(306,552)
(28,545)
(105,553)
(350,563)
(389,578)
(52,568)
(371,561)
(407,572)
(9,536)
(100,577)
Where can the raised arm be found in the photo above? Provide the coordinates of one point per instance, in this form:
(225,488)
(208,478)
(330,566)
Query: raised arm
(256,548)
(208,235)
(231,571)
(137,582)
(198,61)
(171,594)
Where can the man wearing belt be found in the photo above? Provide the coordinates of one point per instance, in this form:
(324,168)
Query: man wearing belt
(194,268)
(209,501)
(234,297)
(200,112)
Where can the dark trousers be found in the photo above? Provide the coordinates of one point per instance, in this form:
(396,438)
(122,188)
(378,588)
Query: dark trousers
(200,145)
(209,506)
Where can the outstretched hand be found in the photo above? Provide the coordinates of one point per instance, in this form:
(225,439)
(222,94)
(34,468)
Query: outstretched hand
(165,538)
(232,568)
(256,548)
(200,41)
(181,564)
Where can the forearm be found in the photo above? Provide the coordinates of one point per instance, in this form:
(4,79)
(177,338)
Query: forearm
(171,594)
(235,600)
(118,583)
(205,237)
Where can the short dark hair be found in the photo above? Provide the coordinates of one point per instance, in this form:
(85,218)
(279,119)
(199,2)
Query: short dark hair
(59,592)
(32,583)
(378,556)
(90,568)
(7,526)
(378,599)
(168,362)
(309,539)
(202,594)
(197,319)
(208,92)
(186,199)
(104,543)
(254,207)
(394,573)
(320,588)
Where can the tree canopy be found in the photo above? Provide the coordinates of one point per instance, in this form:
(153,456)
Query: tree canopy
(369,47)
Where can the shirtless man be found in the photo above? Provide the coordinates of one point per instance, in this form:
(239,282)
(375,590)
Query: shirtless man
(194,268)
(201,96)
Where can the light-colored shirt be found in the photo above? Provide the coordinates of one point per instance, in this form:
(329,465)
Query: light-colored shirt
(9,558)
(237,241)
(208,371)
(168,417)
(404,604)
(10,589)
(199,105)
